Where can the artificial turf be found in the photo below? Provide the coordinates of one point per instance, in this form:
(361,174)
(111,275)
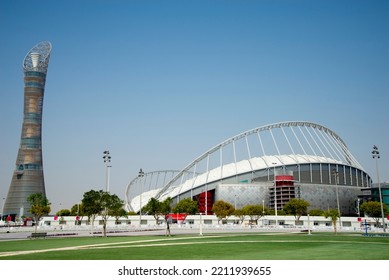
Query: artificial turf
(318,246)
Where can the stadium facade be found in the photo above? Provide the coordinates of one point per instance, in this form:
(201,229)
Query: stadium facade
(266,165)
(28,174)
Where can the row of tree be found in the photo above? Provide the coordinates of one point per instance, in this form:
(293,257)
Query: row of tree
(104,204)
(295,207)
(222,210)
(94,203)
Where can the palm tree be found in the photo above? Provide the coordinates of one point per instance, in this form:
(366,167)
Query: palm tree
(333,214)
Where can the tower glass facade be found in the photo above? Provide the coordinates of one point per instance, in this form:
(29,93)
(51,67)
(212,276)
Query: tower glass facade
(28,174)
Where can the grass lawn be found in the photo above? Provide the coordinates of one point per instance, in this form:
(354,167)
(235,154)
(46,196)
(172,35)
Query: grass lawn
(258,246)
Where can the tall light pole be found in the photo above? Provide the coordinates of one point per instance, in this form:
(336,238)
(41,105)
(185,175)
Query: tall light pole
(376,155)
(141,174)
(201,225)
(336,176)
(2,210)
(275,193)
(263,212)
(107,160)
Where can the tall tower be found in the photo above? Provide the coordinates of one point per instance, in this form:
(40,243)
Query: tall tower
(28,174)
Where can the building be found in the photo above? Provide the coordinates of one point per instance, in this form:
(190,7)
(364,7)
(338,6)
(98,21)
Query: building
(28,174)
(372,193)
(375,194)
(266,165)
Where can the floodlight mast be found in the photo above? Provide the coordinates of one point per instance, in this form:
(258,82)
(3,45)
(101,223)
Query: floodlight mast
(376,155)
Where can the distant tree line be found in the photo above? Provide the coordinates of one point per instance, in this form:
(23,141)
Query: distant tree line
(99,203)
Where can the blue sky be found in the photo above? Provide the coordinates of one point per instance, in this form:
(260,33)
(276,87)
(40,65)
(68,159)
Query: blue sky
(159,82)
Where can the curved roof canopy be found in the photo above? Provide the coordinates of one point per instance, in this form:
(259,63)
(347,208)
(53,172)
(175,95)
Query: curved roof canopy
(293,142)
(261,148)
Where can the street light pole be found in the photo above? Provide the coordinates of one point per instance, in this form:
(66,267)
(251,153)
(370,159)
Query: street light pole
(2,210)
(336,175)
(263,212)
(201,226)
(275,194)
(376,156)
(107,160)
(141,174)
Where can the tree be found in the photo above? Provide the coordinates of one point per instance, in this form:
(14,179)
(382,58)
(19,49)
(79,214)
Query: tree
(373,209)
(153,208)
(316,212)
(115,207)
(110,204)
(333,214)
(222,209)
(100,203)
(118,213)
(187,206)
(78,211)
(63,212)
(91,204)
(40,206)
(157,208)
(255,211)
(296,207)
(240,214)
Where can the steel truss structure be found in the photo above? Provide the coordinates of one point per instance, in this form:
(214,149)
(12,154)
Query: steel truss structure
(308,151)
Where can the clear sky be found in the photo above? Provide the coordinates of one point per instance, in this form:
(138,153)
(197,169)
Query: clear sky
(160,82)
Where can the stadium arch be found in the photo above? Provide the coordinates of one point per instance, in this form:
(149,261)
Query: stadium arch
(269,164)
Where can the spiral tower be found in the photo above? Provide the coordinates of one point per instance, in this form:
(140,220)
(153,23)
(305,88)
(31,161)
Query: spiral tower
(28,174)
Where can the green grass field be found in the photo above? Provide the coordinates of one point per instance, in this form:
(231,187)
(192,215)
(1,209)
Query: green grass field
(258,246)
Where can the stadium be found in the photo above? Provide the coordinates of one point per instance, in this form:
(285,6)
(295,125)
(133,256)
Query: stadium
(267,165)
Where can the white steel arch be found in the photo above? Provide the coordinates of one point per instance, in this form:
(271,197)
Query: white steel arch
(313,143)
(148,183)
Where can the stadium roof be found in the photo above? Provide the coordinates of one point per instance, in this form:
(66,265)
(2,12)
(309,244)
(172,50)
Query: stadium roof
(261,148)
